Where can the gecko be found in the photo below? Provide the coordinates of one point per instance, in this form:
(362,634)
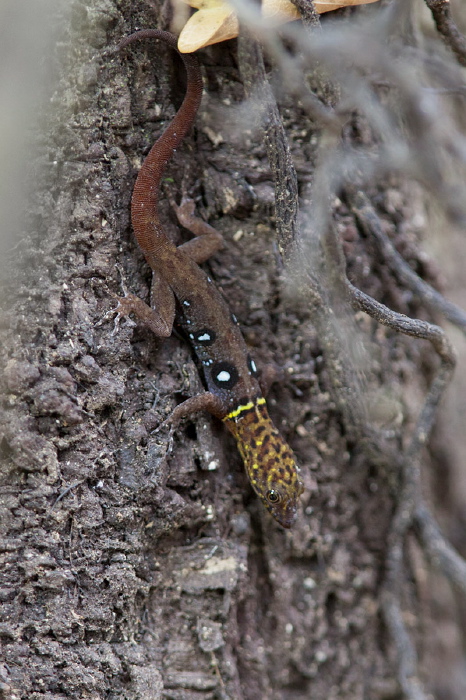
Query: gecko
(183,292)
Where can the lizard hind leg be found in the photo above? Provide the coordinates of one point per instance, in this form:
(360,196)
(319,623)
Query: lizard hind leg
(207,240)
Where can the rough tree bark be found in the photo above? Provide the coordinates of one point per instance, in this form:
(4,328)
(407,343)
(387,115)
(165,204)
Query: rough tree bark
(140,566)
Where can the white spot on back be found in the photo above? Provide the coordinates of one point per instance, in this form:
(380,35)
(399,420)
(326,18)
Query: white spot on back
(223,376)
(202,338)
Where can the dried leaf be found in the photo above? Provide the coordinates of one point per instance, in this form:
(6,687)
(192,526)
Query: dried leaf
(279,11)
(216,21)
(208,26)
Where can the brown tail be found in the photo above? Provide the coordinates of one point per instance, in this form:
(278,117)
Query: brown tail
(144,210)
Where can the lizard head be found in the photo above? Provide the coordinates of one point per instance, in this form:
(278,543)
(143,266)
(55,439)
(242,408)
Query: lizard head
(269,461)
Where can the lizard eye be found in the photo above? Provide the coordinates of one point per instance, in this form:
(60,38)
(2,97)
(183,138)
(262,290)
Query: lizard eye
(273,496)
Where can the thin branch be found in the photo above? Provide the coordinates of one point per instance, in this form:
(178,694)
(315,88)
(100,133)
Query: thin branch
(446,27)
(439,552)
(370,224)
(406,654)
(308,12)
(403,324)
(321,83)
(66,491)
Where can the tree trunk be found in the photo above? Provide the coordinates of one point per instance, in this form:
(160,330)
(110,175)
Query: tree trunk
(137,564)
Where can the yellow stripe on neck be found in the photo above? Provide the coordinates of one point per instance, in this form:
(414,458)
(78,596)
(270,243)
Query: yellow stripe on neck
(245,407)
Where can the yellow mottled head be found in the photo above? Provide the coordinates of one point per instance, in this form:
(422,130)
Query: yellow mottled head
(269,461)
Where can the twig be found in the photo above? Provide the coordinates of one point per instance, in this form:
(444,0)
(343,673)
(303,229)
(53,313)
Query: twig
(67,491)
(370,224)
(406,654)
(403,324)
(438,550)
(446,27)
(321,83)
(308,12)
